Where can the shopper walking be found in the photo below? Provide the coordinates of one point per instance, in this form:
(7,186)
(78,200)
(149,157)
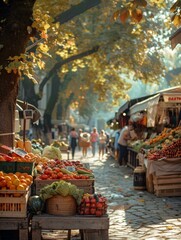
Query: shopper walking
(94,139)
(79,138)
(116,147)
(84,143)
(73,141)
(102,143)
(123,144)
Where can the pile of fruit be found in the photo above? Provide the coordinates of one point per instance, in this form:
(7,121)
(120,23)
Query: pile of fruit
(64,170)
(171,151)
(165,138)
(15,181)
(93,204)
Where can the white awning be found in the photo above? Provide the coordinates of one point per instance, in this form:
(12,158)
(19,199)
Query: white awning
(141,106)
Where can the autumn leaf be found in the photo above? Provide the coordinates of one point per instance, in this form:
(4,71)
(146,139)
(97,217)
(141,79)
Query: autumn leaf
(177,20)
(124,14)
(137,15)
(115,15)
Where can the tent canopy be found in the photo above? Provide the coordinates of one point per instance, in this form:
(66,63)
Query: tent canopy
(153,100)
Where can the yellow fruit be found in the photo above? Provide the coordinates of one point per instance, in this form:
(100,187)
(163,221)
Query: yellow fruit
(20,187)
(16,182)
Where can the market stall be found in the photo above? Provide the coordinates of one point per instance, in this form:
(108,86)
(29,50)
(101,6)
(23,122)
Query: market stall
(38,187)
(151,116)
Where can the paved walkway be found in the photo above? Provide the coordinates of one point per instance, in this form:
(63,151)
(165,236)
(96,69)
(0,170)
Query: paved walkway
(133,214)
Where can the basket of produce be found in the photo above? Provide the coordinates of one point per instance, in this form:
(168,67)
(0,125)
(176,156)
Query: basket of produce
(61,198)
(59,205)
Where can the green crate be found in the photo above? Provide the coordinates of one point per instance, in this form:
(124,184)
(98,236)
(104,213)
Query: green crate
(8,167)
(25,167)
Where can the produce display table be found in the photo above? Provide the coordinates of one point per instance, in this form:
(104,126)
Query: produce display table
(91,227)
(20,224)
(133,162)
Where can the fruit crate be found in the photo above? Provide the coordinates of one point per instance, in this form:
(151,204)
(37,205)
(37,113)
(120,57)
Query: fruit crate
(167,185)
(13,203)
(8,167)
(86,184)
(25,167)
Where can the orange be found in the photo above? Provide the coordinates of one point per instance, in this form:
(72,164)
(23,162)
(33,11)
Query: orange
(12,187)
(20,187)
(16,182)
(30,177)
(7,178)
(1,173)
(9,183)
(25,185)
(18,174)
(28,181)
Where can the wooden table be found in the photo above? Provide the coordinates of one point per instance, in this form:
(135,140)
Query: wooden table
(91,227)
(133,162)
(20,224)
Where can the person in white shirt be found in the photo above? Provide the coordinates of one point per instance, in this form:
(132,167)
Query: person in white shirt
(102,143)
(122,144)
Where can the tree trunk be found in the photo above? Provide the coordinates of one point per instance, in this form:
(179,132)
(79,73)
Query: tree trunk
(15,17)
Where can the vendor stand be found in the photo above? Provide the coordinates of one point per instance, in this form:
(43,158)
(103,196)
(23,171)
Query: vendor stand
(23,209)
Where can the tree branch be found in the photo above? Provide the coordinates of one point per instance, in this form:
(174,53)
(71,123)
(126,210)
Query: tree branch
(69,14)
(76,10)
(59,64)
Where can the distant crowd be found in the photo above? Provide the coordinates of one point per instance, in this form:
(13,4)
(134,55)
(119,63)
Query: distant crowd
(85,140)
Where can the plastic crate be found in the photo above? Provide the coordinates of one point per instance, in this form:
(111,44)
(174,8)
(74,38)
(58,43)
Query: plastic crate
(25,167)
(8,167)
(13,205)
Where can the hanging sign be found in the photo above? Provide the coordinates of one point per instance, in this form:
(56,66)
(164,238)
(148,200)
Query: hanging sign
(175,98)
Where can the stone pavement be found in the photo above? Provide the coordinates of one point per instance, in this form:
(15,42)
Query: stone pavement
(133,214)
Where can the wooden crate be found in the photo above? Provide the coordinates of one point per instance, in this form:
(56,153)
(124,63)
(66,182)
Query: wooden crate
(12,205)
(86,184)
(91,227)
(167,185)
(16,224)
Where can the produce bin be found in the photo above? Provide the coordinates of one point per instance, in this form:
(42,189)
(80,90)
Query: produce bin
(8,167)
(25,167)
(13,203)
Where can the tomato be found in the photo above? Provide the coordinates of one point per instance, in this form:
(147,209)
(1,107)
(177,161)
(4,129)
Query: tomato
(59,175)
(99,205)
(48,171)
(56,169)
(44,176)
(54,176)
(92,211)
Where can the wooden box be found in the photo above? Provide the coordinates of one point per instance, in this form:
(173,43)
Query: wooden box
(86,184)
(167,185)
(13,203)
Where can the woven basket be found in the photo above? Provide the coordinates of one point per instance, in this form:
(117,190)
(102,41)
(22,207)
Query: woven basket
(59,205)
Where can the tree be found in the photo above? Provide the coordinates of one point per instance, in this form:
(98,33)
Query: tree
(16,29)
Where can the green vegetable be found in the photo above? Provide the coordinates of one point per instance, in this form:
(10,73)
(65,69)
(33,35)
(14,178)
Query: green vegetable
(35,204)
(52,152)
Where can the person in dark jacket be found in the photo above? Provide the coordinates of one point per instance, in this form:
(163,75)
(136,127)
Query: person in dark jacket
(73,141)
